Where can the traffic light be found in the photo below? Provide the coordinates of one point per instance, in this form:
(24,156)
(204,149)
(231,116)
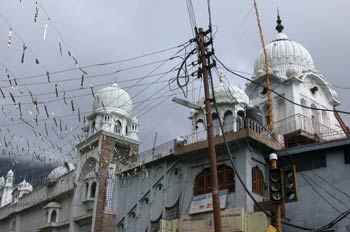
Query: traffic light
(276,185)
(289,181)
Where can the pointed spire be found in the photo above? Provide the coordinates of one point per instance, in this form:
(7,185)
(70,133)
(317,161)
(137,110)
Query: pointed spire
(279,26)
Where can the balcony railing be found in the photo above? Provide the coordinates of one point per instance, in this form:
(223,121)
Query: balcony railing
(282,127)
(167,148)
(308,125)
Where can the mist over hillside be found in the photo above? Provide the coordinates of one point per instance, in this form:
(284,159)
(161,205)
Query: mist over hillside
(33,172)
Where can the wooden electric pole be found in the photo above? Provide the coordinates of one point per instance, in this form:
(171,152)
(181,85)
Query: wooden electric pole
(206,66)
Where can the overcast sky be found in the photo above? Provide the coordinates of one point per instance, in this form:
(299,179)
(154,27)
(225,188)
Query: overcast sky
(105,30)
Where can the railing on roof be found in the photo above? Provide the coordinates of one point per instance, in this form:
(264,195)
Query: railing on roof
(167,148)
(313,127)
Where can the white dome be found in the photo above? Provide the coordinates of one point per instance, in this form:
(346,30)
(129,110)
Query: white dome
(230,94)
(25,186)
(10,173)
(134,120)
(112,99)
(60,171)
(285,58)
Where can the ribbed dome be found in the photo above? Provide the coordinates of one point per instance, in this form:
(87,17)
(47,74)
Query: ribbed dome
(25,186)
(60,171)
(229,94)
(112,99)
(286,58)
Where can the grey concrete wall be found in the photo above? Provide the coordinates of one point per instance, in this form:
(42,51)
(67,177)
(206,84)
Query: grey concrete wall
(172,180)
(310,209)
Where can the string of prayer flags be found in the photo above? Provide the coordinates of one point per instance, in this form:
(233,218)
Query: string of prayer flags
(36,11)
(48,76)
(56,90)
(27,123)
(9,42)
(82,70)
(8,77)
(75,60)
(59,44)
(61,125)
(31,95)
(64,98)
(82,81)
(23,52)
(46,111)
(13,98)
(2,93)
(20,109)
(35,102)
(46,25)
(72,104)
(47,133)
(92,91)
(54,119)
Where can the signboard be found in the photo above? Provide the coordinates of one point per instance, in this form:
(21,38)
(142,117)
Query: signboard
(165,225)
(204,203)
(271,229)
(231,219)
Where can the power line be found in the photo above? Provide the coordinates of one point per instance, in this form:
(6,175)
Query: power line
(281,96)
(102,64)
(328,225)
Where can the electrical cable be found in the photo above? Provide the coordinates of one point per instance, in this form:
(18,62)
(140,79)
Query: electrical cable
(281,96)
(100,64)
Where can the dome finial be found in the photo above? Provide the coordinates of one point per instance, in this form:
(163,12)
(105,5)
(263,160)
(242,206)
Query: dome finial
(279,26)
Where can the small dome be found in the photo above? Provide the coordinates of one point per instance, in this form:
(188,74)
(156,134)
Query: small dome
(25,186)
(112,99)
(60,171)
(229,94)
(53,204)
(284,55)
(134,120)
(10,173)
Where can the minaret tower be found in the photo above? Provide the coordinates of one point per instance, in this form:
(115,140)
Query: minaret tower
(294,76)
(110,134)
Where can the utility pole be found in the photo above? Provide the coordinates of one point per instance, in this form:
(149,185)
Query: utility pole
(273,161)
(206,66)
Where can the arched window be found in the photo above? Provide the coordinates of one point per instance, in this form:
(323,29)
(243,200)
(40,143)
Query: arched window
(106,118)
(86,190)
(315,119)
(304,110)
(325,118)
(226,180)
(118,127)
(216,124)
(228,121)
(53,217)
(200,130)
(257,181)
(281,109)
(93,190)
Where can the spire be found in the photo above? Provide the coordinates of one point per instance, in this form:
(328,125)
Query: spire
(279,26)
